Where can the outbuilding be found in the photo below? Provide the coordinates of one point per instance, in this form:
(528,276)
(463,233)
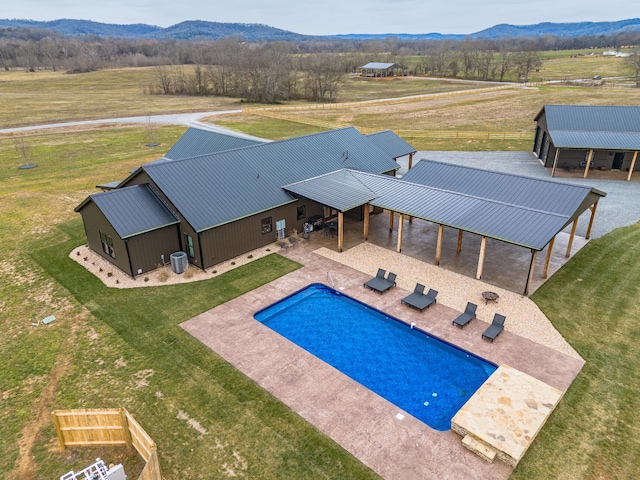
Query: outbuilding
(586,137)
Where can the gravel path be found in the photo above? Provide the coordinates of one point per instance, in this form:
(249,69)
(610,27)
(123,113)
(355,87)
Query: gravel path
(524,318)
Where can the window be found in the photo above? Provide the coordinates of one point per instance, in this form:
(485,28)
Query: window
(265,225)
(301,212)
(107,245)
(188,245)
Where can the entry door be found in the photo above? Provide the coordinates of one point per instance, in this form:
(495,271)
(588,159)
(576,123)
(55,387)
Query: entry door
(617,161)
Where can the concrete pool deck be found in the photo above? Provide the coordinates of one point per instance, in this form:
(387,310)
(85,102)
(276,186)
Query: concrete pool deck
(360,421)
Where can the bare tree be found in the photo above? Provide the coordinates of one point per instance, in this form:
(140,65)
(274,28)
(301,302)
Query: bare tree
(634,62)
(324,75)
(524,62)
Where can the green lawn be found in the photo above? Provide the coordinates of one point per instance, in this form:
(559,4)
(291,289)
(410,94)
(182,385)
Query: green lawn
(149,365)
(594,301)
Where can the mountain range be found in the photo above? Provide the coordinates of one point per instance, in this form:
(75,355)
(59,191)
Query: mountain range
(257,32)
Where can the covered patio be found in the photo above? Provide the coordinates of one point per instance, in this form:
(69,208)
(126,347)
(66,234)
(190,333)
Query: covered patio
(520,212)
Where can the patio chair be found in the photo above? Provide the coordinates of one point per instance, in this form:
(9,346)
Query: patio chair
(497,325)
(465,317)
(419,300)
(381,284)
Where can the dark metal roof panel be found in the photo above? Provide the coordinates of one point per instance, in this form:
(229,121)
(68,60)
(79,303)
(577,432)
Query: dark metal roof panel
(513,223)
(196,142)
(133,210)
(339,190)
(215,189)
(533,193)
(589,126)
(391,143)
(596,140)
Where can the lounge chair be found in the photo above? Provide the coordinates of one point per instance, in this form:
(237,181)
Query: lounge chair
(381,284)
(497,325)
(465,317)
(419,300)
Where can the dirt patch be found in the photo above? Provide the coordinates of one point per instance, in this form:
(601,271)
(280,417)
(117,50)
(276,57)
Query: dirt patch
(25,467)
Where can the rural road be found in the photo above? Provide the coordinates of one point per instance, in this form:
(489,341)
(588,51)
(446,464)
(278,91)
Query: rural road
(187,119)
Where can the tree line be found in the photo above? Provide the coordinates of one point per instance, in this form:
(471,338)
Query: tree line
(274,71)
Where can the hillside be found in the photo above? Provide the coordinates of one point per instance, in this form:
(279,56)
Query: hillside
(258,32)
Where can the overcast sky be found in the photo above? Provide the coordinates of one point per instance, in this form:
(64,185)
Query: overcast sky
(327,17)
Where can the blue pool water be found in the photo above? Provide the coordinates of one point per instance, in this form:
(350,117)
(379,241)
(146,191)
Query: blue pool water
(423,375)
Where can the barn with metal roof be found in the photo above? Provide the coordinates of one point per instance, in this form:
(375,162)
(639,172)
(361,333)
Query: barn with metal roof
(588,137)
(379,69)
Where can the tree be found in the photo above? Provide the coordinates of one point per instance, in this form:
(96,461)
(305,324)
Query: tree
(634,62)
(524,62)
(324,74)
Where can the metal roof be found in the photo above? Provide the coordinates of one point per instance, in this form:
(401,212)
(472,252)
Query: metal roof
(109,185)
(593,127)
(534,193)
(524,215)
(391,143)
(379,66)
(132,210)
(215,189)
(340,190)
(196,142)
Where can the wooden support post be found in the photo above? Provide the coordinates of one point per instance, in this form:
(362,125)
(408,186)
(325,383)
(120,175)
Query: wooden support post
(391,220)
(439,244)
(410,219)
(410,161)
(555,162)
(56,424)
(593,215)
(532,265)
(400,229)
(586,167)
(125,428)
(483,249)
(633,164)
(573,233)
(366,222)
(459,249)
(547,261)
(340,230)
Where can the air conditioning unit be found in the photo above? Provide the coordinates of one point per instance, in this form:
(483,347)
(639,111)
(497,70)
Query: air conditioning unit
(179,262)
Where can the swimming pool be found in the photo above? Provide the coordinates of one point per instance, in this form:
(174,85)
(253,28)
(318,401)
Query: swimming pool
(421,374)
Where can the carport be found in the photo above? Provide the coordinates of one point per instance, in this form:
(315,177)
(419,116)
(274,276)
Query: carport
(522,211)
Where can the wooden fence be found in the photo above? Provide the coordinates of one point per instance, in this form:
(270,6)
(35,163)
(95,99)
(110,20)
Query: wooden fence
(107,427)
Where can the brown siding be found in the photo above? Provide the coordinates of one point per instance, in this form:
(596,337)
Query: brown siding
(242,236)
(145,250)
(184,228)
(94,223)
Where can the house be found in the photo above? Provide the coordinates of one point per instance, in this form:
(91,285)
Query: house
(586,137)
(217,206)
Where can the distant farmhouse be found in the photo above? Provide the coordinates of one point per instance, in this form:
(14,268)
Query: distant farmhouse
(587,137)
(223,204)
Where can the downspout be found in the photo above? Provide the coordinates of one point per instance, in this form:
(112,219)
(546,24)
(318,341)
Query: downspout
(200,248)
(126,246)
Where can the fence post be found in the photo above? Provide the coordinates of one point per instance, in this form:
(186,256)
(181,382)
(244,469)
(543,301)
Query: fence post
(56,423)
(125,427)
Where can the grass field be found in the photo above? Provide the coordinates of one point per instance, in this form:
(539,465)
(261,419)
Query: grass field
(118,348)
(510,110)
